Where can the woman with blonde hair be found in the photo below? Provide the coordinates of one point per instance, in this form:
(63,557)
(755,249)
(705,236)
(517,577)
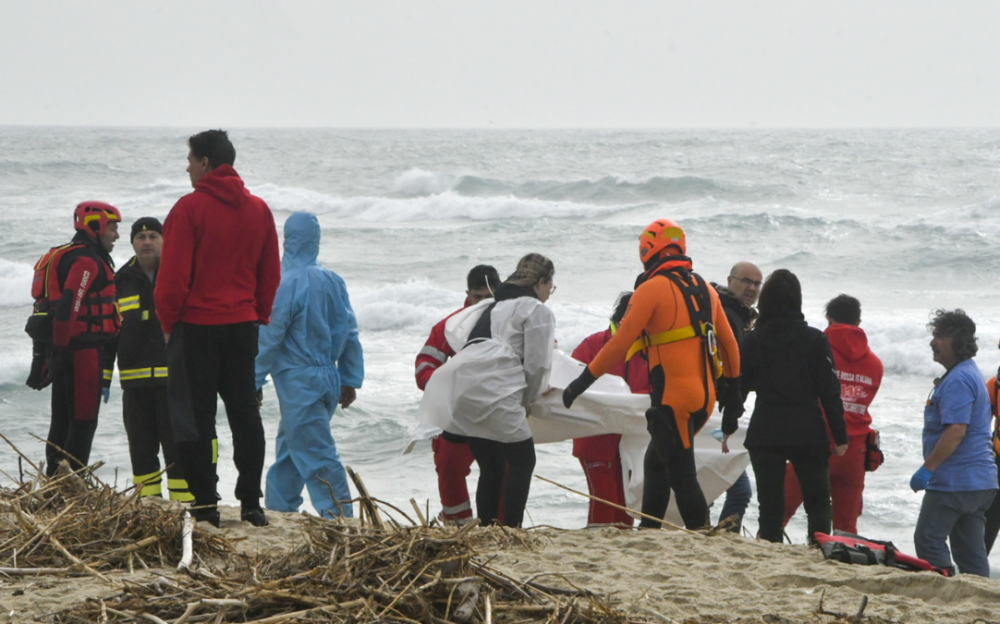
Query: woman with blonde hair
(504,368)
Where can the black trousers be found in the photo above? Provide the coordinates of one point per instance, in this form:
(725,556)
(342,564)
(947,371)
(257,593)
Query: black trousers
(148,427)
(812,466)
(206,362)
(504,472)
(76,401)
(669,466)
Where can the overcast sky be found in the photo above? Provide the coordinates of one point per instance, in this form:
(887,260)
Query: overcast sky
(509,64)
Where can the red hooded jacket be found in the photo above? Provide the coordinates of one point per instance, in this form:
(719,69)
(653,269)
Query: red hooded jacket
(860,373)
(220,262)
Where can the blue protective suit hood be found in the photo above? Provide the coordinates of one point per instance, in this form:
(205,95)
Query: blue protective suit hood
(301,241)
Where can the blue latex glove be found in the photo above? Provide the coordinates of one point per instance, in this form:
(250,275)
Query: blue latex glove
(106,393)
(717,433)
(920,479)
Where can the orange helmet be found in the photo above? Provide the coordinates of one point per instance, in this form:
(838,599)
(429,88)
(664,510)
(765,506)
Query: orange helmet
(93,217)
(659,235)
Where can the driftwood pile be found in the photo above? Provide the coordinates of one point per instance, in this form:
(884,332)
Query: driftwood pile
(372,570)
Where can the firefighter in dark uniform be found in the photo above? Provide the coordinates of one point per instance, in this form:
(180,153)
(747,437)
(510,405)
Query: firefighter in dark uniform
(142,368)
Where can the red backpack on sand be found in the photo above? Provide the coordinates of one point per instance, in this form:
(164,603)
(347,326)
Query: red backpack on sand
(850,548)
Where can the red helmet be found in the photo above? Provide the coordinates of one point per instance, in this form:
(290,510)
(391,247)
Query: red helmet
(659,235)
(93,217)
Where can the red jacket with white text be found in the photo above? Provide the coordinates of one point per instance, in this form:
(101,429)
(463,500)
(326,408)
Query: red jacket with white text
(860,373)
(220,262)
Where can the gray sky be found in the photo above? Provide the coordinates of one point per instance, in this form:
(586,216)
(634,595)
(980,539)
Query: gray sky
(515,63)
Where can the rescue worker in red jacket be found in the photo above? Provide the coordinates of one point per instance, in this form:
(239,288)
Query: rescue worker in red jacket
(599,455)
(676,317)
(74,287)
(219,274)
(453,459)
(860,374)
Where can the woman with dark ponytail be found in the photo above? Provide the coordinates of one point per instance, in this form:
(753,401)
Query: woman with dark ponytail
(790,367)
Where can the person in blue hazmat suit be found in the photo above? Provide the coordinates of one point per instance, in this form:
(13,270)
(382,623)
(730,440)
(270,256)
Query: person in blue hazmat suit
(312,352)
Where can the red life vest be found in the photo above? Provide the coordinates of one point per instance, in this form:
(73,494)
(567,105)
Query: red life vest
(98,316)
(856,549)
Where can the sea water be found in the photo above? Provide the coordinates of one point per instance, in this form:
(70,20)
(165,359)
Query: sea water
(905,220)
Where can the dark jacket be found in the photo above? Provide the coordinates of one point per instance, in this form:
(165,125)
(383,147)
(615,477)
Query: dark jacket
(740,317)
(141,352)
(790,367)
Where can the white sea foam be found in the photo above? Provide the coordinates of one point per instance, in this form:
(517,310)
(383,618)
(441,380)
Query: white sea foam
(416,182)
(15,283)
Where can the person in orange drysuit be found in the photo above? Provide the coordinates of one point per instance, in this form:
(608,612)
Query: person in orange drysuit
(678,320)
(599,455)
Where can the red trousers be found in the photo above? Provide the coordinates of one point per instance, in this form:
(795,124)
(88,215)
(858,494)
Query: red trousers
(452,462)
(602,465)
(847,484)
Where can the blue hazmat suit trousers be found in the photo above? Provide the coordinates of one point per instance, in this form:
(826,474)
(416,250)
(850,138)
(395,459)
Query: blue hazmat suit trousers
(305,452)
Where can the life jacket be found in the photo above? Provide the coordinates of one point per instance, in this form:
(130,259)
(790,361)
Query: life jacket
(98,317)
(694,291)
(849,548)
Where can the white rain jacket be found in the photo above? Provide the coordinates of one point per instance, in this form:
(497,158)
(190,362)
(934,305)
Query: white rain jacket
(484,391)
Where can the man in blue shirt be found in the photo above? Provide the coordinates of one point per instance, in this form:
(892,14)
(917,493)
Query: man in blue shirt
(958,470)
(312,352)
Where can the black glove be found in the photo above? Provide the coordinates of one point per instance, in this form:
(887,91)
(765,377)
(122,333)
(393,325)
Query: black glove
(730,419)
(39,377)
(731,400)
(577,387)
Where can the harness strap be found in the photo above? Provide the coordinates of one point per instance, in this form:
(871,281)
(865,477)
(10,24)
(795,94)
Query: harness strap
(662,338)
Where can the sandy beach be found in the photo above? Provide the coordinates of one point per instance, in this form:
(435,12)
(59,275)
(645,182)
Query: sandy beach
(648,576)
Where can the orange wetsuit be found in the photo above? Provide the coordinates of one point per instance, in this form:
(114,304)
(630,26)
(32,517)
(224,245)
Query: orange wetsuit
(677,370)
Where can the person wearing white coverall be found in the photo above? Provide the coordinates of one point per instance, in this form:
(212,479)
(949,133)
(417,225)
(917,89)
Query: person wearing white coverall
(312,352)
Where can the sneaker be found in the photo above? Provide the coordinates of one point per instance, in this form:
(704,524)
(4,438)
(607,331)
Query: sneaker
(254,515)
(209,514)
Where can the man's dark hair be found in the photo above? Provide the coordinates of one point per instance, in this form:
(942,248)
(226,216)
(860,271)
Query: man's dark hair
(781,294)
(956,325)
(214,145)
(844,309)
(483,276)
(621,306)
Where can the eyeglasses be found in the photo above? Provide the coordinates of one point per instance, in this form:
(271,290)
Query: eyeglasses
(746,281)
(553,291)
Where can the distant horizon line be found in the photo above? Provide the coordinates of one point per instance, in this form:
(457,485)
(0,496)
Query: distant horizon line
(504,128)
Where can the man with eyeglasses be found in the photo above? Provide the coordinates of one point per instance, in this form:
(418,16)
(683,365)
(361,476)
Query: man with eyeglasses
(738,298)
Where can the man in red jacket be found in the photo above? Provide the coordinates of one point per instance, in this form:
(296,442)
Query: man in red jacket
(452,460)
(599,455)
(219,272)
(860,373)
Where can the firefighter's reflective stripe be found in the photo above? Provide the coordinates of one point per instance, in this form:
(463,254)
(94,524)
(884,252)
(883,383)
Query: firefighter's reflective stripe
(179,490)
(674,335)
(215,450)
(149,484)
(131,374)
(128,303)
(107,374)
